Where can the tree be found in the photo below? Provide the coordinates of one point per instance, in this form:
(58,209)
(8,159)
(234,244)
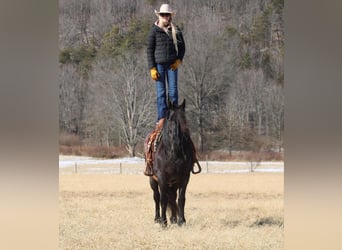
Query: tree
(77,13)
(128,97)
(73,90)
(204,74)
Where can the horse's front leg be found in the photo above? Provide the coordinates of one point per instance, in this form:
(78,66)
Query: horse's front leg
(163,202)
(181,203)
(156,197)
(172,204)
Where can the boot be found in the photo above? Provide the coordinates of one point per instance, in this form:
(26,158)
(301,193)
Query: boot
(148,156)
(148,170)
(159,124)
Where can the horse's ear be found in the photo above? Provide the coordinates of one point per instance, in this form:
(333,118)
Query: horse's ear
(182,106)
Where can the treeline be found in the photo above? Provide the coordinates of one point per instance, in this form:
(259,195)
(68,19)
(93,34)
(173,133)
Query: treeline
(232,76)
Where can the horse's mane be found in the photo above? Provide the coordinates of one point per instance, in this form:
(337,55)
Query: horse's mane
(176,134)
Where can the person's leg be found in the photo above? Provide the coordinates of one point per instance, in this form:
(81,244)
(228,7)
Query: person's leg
(148,155)
(161,91)
(161,111)
(172,79)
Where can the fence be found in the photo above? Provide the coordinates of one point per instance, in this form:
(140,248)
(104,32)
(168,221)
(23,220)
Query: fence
(208,167)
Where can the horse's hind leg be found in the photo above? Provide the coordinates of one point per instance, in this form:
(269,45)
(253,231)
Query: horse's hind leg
(156,197)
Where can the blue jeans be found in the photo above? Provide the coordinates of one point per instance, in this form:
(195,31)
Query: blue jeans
(166,73)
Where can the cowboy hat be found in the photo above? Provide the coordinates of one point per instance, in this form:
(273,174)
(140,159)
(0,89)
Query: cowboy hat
(165,8)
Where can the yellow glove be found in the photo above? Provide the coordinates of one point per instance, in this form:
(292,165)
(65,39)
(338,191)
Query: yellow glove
(175,65)
(154,73)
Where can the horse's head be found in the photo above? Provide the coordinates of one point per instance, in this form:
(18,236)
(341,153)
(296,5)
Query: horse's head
(175,130)
(175,124)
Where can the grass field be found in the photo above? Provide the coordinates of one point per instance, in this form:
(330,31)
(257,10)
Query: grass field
(223,211)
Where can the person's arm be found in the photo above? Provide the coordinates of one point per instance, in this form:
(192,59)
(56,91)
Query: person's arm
(181,46)
(151,45)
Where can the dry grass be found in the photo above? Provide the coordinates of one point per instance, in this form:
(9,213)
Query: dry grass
(223,211)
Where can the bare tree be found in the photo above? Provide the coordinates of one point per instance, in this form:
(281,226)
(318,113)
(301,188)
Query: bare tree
(203,71)
(101,19)
(128,97)
(274,103)
(67,99)
(230,121)
(72,98)
(101,125)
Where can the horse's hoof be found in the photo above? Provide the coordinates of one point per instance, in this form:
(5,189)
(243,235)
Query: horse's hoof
(181,222)
(173,220)
(163,223)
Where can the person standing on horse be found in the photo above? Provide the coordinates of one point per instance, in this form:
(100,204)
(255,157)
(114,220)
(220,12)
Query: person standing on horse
(165,53)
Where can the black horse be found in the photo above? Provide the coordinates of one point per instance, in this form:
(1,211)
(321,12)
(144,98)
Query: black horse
(173,161)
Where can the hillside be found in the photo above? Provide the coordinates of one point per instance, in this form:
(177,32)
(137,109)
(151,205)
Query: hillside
(232,75)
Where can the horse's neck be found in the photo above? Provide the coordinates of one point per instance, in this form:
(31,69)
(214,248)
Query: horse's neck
(173,146)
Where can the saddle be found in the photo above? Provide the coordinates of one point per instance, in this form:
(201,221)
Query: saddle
(150,147)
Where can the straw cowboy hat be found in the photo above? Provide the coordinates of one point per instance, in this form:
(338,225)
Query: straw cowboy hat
(165,8)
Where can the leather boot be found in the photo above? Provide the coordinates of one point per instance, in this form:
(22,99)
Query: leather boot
(148,170)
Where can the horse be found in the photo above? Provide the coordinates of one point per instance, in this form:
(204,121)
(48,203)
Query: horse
(173,162)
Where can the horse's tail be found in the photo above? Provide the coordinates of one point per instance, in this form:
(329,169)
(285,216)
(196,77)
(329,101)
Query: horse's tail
(172,201)
(172,206)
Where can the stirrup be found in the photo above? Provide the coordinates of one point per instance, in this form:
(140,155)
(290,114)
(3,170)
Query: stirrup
(199,168)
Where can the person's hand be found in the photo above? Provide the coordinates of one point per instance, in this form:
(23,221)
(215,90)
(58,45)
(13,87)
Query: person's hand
(176,64)
(154,73)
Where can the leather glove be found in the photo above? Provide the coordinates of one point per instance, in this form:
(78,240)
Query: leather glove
(154,73)
(176,64)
